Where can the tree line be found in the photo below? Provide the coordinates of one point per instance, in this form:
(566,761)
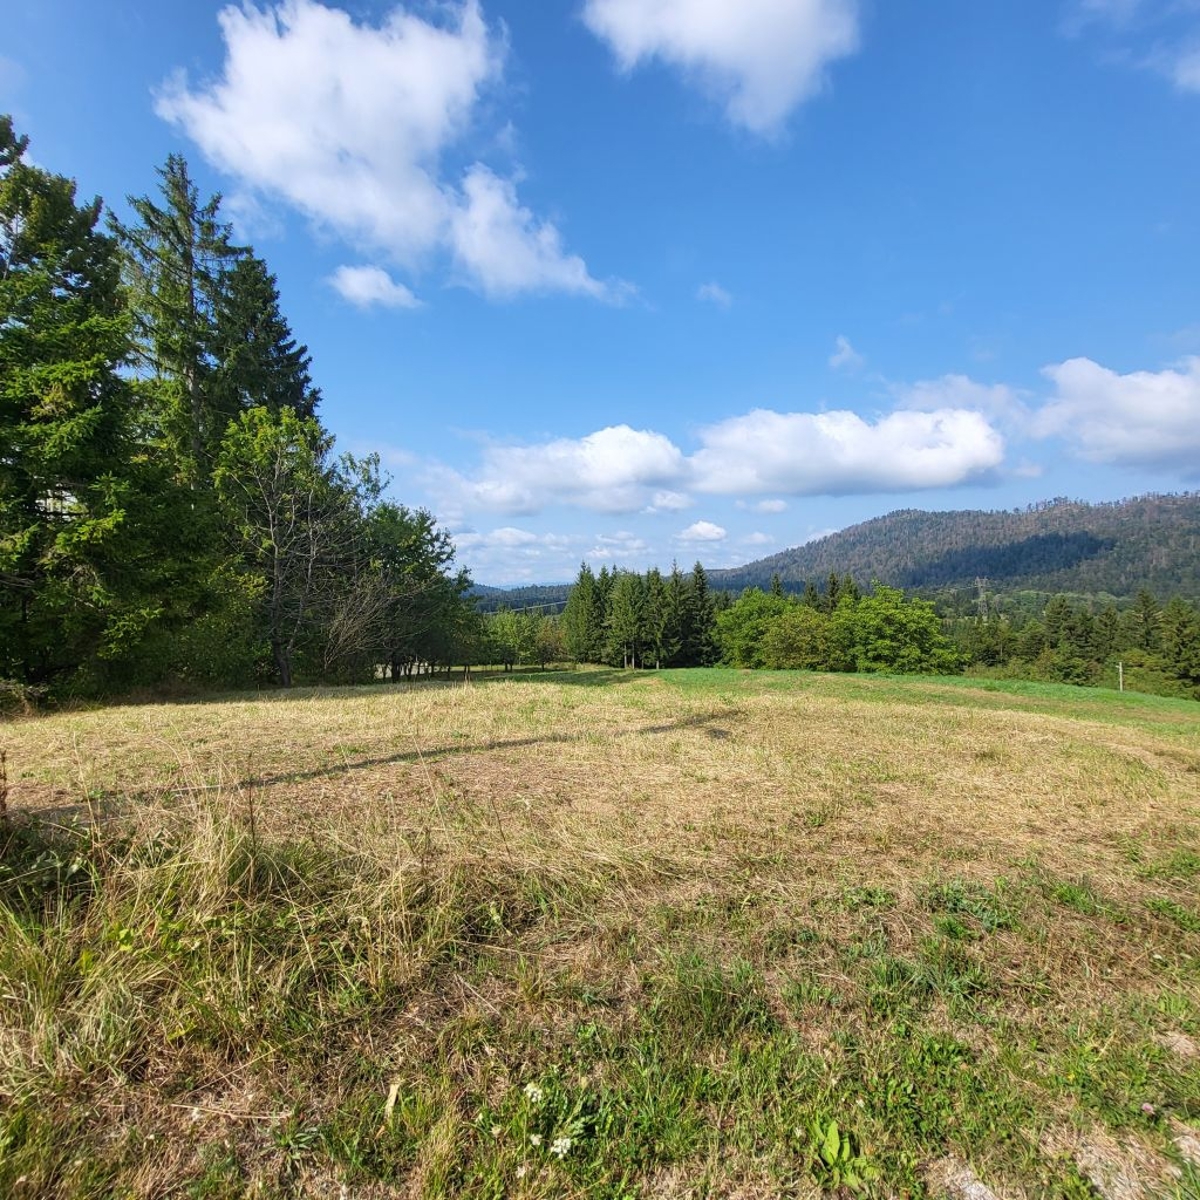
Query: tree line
(171,506)
(627,619)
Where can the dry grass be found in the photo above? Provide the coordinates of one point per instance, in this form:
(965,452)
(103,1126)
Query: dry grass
(730,868)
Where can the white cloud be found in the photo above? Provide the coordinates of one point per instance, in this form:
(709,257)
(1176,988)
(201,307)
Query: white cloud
(962,392)
(512,555)
(612,470)
(507,250)
(714,293)
(757,539)
(838,453)
(702,531)
(368,286)
(619,546)
(623,470)
(759,58)
(845,356)
(1143,419)
(348,123)
(667,501)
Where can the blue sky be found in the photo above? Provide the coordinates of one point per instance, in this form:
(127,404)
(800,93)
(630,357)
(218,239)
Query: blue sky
(643,280)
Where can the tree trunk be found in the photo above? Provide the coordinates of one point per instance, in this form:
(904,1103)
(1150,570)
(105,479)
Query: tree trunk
(283,663)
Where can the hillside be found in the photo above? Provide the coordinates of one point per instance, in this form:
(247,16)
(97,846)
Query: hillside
(1059,546)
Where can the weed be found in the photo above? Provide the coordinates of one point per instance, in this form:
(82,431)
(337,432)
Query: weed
(837,1161)
(993,907)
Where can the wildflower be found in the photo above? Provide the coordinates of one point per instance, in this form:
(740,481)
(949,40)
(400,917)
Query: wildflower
(561,1147)
(534,1093)
(496,1131)
(521,1171)
(1149,1110)
(535,1139)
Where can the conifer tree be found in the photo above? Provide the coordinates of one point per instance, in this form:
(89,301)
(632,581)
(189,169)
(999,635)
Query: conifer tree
(626,617)
(177,258)
(64,408)
(256,359)
(583,618)
(699,646)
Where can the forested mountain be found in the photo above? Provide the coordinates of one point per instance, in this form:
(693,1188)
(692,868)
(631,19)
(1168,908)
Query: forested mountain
(546,598)
(1059,546)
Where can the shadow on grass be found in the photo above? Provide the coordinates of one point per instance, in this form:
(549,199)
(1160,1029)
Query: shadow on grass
(707,721)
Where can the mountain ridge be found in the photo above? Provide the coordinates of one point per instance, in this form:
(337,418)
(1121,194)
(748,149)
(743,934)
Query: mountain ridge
(1060,545)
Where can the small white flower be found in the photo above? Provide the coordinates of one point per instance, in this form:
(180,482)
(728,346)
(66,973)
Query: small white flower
(535,1139)
(561,1147)
(521,1171)
(195,1115)
(534,1093)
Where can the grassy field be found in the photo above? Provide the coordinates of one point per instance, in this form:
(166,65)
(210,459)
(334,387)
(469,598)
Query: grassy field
(695,933)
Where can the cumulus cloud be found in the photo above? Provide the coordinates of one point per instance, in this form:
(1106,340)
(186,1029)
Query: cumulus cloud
(759,58)
(512,555)
(624,470)
(714,293)
(844,356)
(667,501)
(838,453)
(619,546)
(962,392)
(1143,419)
(612,470)
(702,531)
(366,287)
(507,250)
(348,124)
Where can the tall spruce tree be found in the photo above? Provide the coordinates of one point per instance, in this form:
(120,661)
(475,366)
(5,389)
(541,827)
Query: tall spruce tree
(699,628)
(256,359)
(583,618)
(177,259)
(64,406)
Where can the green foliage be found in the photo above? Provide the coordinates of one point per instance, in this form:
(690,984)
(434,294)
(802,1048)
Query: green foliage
(742,627)
(886,632)
(798,639)
(65,416)
(836,1160)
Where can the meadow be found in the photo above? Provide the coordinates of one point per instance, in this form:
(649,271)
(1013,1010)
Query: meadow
(605,934)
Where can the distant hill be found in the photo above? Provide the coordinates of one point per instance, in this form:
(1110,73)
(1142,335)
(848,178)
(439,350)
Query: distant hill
(1057,546)
(544,598)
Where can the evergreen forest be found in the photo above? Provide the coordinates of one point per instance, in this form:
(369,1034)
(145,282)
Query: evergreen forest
(171,506)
